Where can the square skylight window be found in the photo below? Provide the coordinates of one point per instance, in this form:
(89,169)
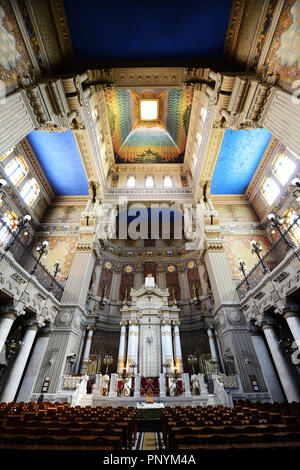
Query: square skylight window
(149,110)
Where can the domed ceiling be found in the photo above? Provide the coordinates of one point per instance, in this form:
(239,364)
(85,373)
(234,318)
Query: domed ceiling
(160,139)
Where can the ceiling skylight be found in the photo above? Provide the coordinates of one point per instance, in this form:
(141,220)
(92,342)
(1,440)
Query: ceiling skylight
(148,110)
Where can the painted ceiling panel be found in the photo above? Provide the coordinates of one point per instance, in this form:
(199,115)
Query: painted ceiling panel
(239,156)
(135,141)
(60,160)
(116,32)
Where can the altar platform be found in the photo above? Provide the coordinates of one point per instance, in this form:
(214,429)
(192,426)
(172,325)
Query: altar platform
(149,411)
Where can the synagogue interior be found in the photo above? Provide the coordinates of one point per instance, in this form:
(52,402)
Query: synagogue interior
(149,225)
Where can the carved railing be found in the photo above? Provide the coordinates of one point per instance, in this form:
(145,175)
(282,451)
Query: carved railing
(270,261)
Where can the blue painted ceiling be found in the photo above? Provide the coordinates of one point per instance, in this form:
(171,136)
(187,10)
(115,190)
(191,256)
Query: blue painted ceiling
(147,31)
(60,160)
(239,156)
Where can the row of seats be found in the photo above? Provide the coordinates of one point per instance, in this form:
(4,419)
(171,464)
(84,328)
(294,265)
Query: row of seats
(58,426)
(247,425)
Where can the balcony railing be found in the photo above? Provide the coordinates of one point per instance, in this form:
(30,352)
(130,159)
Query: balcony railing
(28,261)
(271,260)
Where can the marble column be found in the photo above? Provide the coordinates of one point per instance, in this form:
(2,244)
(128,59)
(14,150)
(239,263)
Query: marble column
(34,366)
(166,334)
(86,354)
(220,275)
(287,380)
(266,364)
(17,120)
(6,323)
(212,346)
(281,116)
(122,349)
(15,376)
(133,337)
(177,348)
(292,315)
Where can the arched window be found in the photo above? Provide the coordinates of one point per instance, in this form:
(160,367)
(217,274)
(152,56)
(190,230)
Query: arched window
(270,190)
(289,220)
(149,182)
(283,168)
(131,182)
(8,221)
(16,170)
(168,183)
(30,191)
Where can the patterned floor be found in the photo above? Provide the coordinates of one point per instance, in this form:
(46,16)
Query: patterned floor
(149,441)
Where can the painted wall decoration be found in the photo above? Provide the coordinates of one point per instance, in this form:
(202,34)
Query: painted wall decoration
(63,214)
(162,141)
(14,59)
(240,247)
(59,248)
(284,54)
(235,212)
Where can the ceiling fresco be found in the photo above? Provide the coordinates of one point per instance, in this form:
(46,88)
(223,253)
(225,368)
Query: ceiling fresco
(159,141)
(239,156)
(60,160)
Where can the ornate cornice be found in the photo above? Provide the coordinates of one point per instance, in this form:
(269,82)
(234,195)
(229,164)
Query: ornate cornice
(233,30)
(263,164)
(62,28)
(46,187)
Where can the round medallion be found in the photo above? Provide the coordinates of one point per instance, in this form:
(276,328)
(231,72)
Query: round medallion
(191,264)
(171,268)
(128,269)
(108,264)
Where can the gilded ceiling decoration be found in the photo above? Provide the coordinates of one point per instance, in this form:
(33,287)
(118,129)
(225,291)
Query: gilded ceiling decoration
(136,140)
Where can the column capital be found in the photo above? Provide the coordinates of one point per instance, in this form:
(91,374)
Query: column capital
(91,328)
(123,322)
(254,330)
(9,314)
(291,309)
(268,322)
